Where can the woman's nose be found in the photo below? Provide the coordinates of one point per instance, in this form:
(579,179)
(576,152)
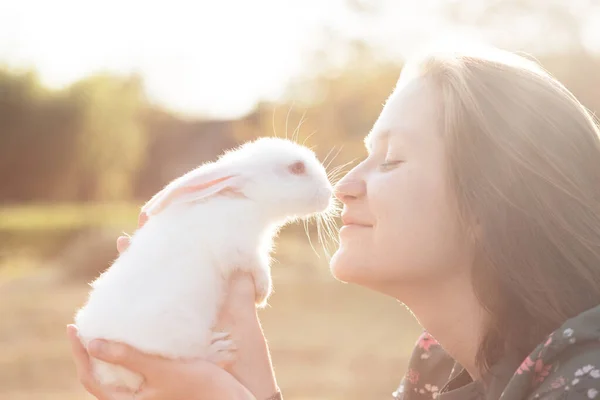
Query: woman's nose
(350,188)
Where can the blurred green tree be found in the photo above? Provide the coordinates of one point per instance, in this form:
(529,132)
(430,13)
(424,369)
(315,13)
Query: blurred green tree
(85,142)
(37,136)
(111,143)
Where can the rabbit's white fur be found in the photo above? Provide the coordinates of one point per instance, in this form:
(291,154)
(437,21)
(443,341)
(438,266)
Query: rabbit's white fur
(163,293)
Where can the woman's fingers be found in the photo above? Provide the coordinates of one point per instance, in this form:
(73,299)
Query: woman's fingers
(125,356)
(79,353)
(142,218)
(82,364)
(122,243)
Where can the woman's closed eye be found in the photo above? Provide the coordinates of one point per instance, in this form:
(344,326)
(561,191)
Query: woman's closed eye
(389,164)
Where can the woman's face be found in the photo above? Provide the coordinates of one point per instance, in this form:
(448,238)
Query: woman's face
(399,217)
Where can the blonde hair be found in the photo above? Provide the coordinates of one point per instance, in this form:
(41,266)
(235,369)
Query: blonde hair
(523,160)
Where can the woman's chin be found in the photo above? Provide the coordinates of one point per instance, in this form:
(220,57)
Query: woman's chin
(344,267)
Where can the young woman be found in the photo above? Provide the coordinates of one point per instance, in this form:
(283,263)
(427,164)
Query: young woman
(478,207)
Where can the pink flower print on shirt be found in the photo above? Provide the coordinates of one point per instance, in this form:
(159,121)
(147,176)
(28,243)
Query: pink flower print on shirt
(426,341)
(541,371)
(558,383)
(525,366)
(412,376)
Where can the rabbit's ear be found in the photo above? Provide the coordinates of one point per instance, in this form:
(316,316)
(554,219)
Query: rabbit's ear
(193,186)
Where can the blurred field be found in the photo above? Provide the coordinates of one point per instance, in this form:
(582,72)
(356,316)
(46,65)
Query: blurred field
(43,217)
(329,340)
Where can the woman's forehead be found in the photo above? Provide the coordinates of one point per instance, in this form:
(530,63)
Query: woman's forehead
(375,136)
(409,113)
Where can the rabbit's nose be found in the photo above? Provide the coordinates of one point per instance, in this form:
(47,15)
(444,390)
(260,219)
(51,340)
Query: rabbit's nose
(324,198)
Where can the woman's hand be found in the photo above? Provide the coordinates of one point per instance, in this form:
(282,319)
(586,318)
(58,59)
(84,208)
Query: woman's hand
(163,379)
(251,372)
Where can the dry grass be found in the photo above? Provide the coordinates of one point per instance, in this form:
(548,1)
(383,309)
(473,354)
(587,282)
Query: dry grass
(328,340)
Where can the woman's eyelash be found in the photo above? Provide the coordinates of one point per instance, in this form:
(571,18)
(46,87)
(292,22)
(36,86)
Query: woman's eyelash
(388,164)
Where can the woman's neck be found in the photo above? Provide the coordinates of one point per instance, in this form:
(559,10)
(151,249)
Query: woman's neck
(451,313)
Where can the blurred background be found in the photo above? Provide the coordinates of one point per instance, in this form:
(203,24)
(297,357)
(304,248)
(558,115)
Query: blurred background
(102,103)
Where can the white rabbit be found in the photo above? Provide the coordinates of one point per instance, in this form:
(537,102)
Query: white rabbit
(163,293)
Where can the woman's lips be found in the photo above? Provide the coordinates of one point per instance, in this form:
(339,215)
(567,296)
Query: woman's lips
(352,221)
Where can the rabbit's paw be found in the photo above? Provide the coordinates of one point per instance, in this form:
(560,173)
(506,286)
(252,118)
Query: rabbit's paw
(222,350)
(263,286)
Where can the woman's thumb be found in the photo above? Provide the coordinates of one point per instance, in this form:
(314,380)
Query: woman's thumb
(121,354)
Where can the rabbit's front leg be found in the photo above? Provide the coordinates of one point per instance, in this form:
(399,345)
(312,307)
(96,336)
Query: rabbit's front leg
(222,350)
(259,266)
(263,286)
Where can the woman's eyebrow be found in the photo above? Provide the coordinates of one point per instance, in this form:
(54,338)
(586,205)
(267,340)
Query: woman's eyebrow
(373,138)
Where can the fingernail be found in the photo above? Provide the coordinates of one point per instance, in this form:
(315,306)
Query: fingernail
(122,243)
(142,218)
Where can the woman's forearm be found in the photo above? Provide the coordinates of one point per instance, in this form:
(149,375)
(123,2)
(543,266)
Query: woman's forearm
(254,368)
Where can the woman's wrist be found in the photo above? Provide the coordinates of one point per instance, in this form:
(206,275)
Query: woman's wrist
(228,387)
(275,396)
(243,393)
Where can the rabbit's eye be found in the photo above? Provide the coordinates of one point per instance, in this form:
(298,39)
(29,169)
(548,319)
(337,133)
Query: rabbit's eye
(297,168)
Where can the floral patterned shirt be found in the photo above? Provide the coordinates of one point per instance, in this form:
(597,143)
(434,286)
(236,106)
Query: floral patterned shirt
(565,366)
